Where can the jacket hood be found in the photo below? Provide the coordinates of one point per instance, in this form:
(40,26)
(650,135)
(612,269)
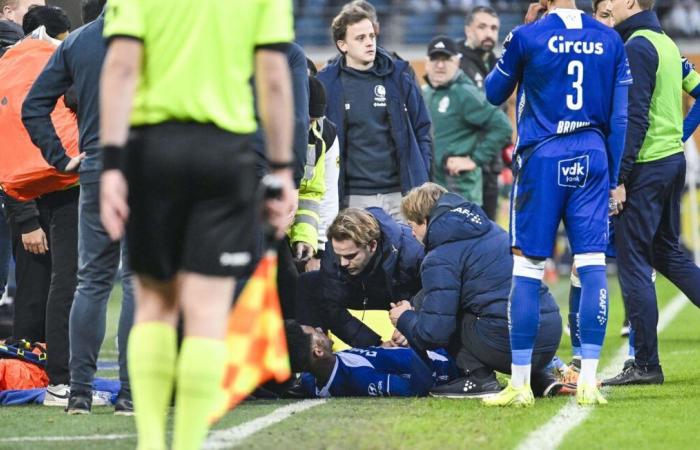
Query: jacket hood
(10,33)
(391,231)
(455,219)
(645,20)
(383,64)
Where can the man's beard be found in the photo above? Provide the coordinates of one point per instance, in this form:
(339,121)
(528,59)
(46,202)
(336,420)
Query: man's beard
(487,45)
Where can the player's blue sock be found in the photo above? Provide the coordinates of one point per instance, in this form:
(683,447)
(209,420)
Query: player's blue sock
(574,304)
(593,311)
(524,316)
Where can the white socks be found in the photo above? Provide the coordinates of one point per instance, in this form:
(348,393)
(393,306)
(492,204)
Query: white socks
(520,375)
(588,371)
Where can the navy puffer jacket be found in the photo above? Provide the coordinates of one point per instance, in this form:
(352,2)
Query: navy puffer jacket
(467,269)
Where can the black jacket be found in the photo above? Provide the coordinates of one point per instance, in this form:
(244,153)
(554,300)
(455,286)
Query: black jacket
(391,276)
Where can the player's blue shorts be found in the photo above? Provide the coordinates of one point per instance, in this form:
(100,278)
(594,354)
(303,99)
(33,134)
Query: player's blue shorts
(565,178)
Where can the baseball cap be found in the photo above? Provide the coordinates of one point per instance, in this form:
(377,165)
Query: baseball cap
(442,45)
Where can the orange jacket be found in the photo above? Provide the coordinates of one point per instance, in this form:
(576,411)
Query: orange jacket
(24,174)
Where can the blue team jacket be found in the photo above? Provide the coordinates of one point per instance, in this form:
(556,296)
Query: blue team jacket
(467,269)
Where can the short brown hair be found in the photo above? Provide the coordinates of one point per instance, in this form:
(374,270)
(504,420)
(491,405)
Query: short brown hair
(646,4)
(595,4)
(416,206)
(347,17)
(356,225)
(11,3)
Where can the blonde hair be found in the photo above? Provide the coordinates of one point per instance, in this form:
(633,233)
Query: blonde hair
(416,206)
(356,225)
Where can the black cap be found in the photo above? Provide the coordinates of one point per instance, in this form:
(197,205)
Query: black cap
(442,45)
(317,98)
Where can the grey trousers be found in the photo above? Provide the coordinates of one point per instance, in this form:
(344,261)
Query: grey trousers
(391,203)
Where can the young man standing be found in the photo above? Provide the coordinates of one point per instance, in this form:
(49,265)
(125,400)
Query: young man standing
(383,124)
(188,167)
(572,76)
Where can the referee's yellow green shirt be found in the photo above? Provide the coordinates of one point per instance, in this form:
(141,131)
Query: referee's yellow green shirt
(198,56)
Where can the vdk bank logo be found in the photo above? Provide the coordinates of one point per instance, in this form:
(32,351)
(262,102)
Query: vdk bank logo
(573,172)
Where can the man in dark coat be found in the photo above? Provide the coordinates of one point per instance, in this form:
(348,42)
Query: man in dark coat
(466,276)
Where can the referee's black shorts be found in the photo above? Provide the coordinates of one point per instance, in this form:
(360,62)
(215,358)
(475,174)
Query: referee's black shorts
(192,200)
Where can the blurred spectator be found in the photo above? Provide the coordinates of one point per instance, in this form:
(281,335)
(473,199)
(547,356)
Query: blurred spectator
(481,27)
(383,125)
(14,10)
(468,130)
(683,19)
(75,67)
(42,204)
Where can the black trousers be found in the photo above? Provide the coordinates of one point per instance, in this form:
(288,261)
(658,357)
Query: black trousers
(647,237)
(46,283)
(490,193)
(477,354)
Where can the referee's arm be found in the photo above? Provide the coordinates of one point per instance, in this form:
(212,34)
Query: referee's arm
(120,75)
(275,105)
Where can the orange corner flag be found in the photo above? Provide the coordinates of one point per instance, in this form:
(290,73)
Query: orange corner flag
(257,347)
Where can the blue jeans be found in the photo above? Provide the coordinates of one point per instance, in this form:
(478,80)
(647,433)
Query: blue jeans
(98,263)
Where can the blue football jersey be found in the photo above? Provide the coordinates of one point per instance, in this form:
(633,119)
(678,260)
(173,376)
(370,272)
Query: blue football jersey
(567,66)
(379,372)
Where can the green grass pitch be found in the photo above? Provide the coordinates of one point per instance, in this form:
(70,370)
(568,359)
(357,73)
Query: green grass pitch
(658,417)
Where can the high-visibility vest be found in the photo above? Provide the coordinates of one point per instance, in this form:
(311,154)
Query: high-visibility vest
(24,173)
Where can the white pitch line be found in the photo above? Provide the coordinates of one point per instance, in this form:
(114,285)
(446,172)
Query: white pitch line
(95,437)
(230,437)
(221,439)
(550,435)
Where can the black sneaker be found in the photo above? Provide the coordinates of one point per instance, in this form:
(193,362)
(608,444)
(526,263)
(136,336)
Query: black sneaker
(635,374)
(79,403)
(124,406)
(468,387)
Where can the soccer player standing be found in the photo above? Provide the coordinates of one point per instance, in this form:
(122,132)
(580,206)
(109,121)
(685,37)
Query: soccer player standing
(572,77)
(180,79)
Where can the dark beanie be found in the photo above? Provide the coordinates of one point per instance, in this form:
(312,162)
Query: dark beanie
(317,98)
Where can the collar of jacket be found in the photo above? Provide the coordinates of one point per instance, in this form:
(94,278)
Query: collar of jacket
(478,55)
(645,20)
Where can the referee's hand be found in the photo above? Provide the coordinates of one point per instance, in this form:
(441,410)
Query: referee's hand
(280,211)
(114,209)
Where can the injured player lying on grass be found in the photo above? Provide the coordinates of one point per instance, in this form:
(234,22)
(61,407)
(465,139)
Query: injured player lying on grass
(362,372)
(365,372)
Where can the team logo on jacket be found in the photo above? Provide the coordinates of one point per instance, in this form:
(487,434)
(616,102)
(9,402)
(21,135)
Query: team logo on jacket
(573,172)
(444,104)
(379,96)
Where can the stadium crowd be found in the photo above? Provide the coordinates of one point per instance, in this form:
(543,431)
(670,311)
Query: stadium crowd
(387,191)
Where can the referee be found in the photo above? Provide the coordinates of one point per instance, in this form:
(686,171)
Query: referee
(177,118)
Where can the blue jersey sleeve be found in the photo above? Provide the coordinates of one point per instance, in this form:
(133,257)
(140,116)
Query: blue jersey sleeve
(623,73)
(504,78)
